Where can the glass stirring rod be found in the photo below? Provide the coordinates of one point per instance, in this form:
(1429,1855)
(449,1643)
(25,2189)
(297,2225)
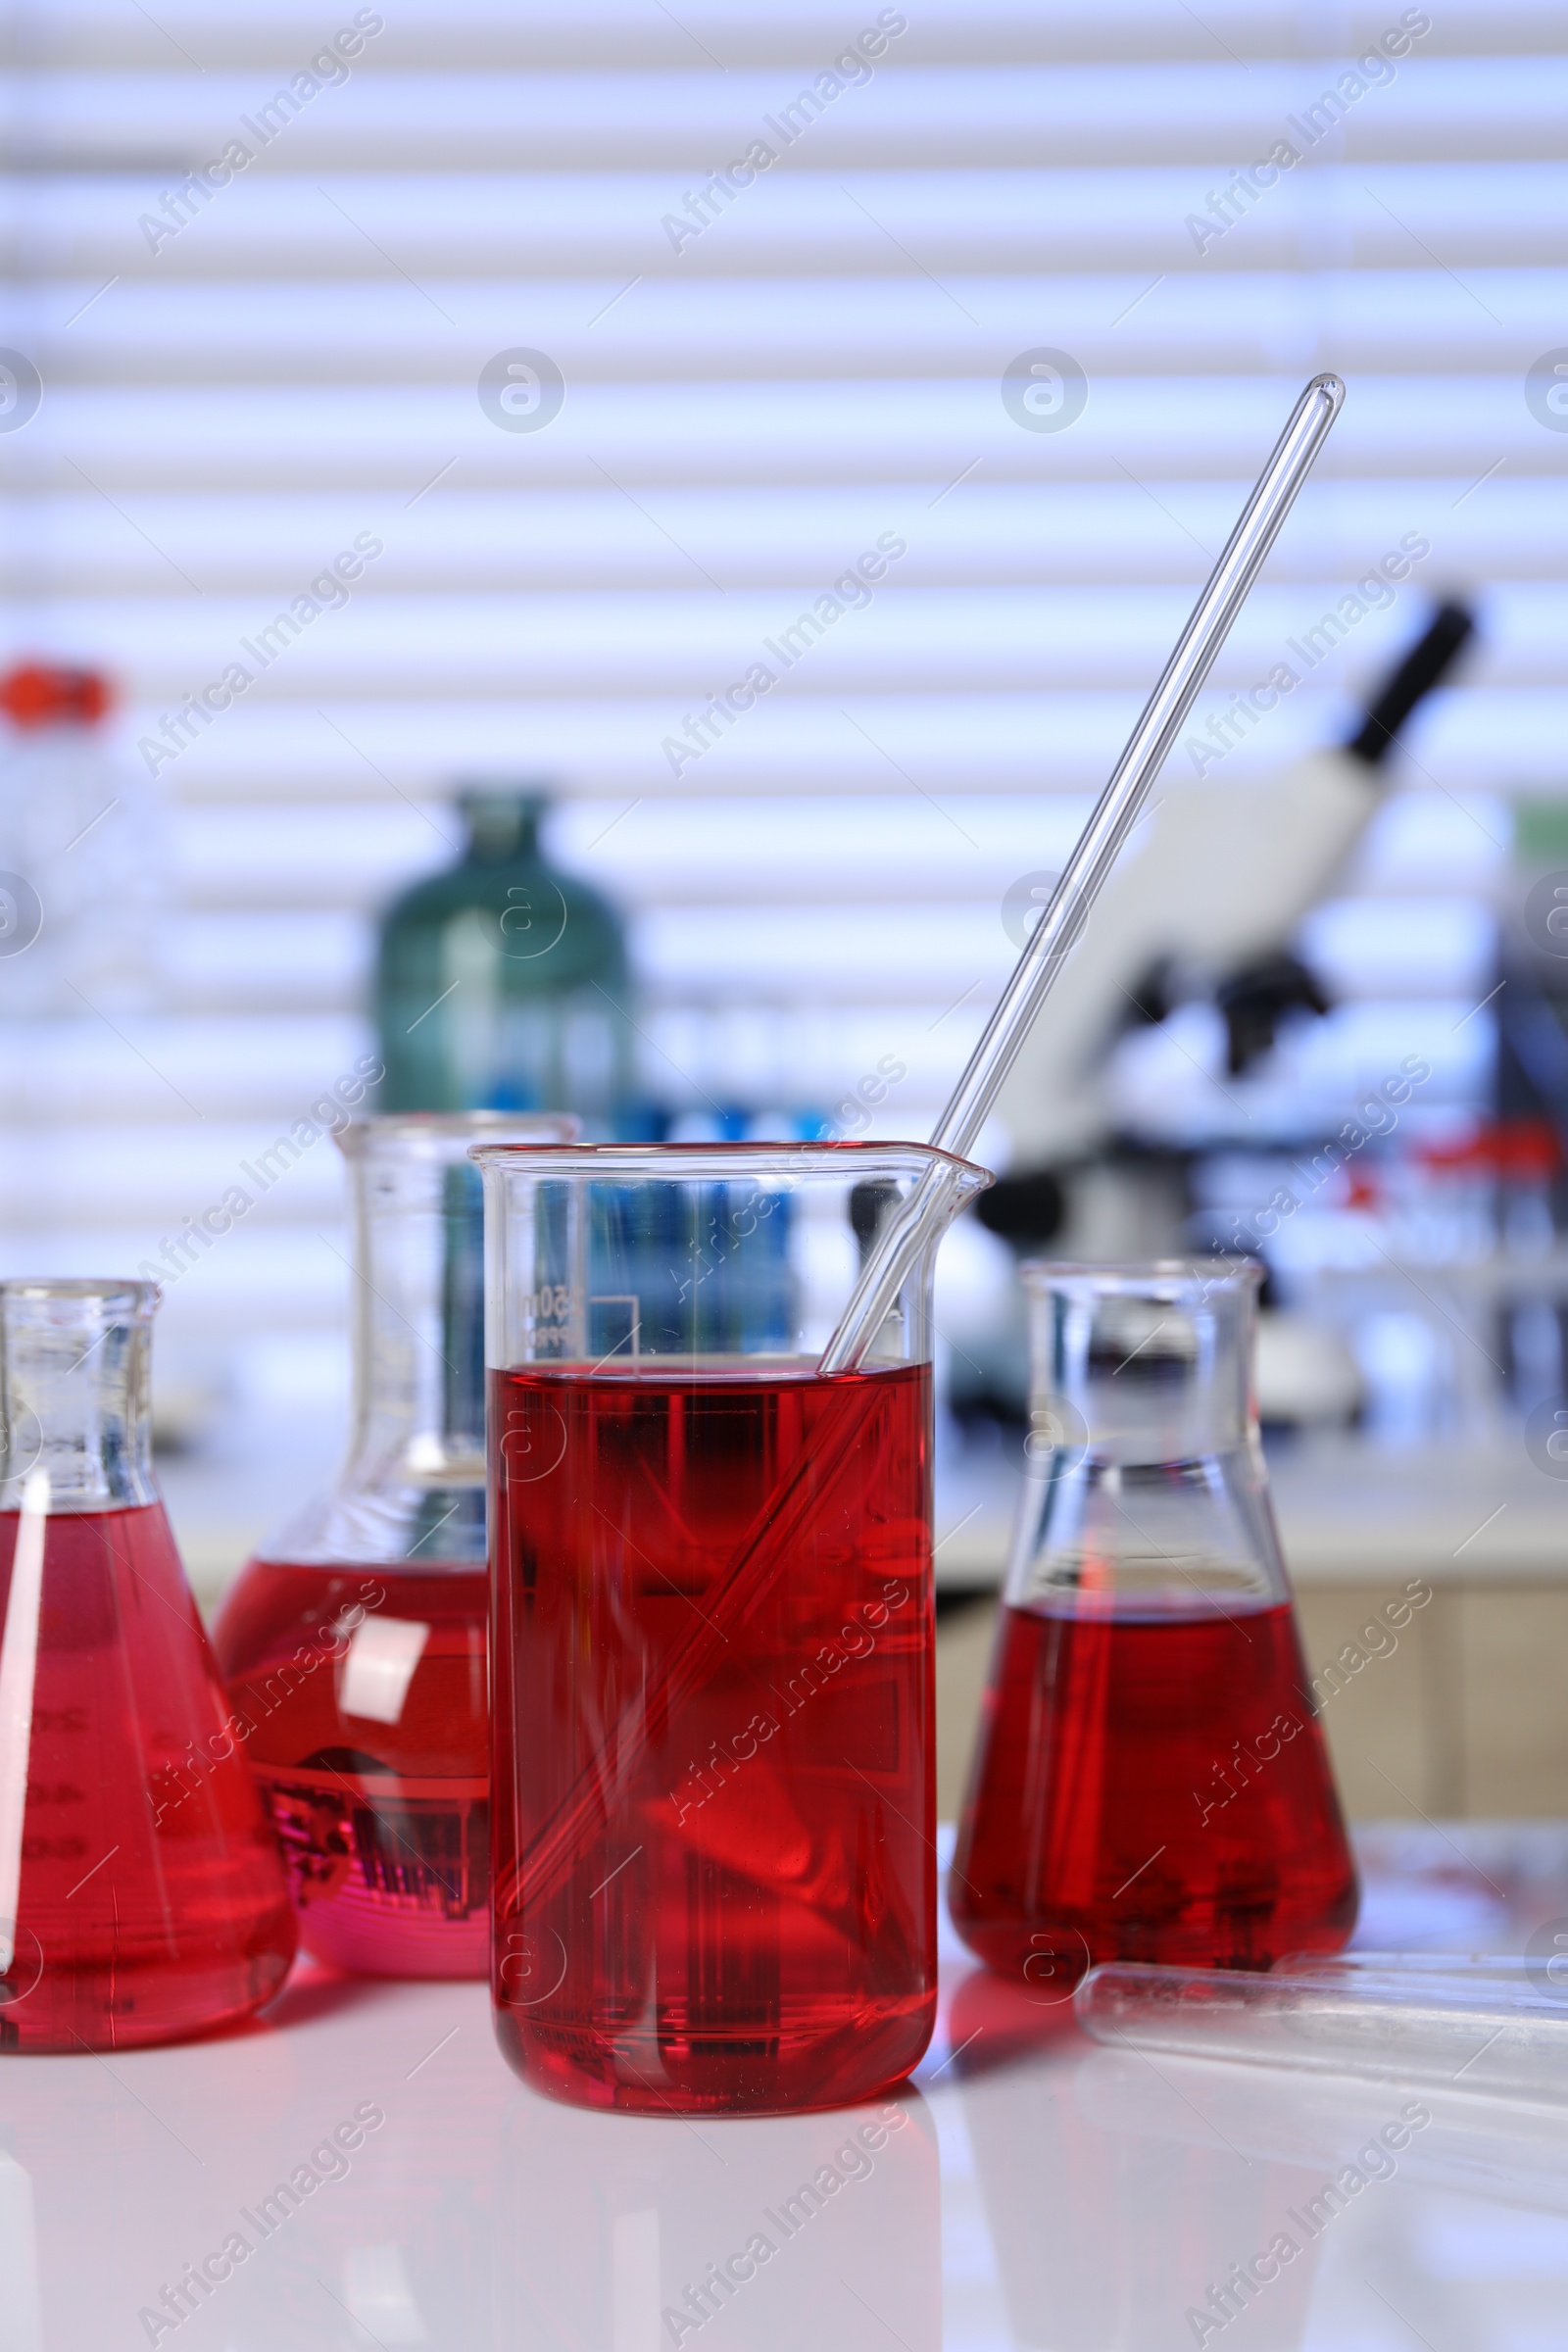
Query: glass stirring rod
(904,1235)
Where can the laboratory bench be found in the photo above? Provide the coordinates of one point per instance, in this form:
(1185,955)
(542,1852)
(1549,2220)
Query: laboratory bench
(1463,1711)
(358,2168)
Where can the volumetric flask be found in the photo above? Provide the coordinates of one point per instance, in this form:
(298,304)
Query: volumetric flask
(713,1774)
(1150,1780)
(141,1897)
(355,1643)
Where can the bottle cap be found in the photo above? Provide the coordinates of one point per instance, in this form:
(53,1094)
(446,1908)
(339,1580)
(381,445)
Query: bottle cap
(43,694)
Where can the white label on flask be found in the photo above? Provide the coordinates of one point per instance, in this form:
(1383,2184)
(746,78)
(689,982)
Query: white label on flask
(379,1667)
(18,1660)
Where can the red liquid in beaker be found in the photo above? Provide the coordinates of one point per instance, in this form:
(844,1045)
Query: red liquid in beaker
(748,1921)
(150,1903)
(366,1692)
(1150,1788)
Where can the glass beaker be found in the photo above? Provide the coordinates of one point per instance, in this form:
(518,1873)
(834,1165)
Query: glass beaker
(1150,1780)
(713,1775)
(141,1897)
(355,1643)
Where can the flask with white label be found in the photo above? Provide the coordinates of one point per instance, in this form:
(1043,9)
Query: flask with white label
(355,1643)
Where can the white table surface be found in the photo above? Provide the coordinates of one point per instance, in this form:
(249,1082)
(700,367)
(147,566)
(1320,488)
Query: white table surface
(1036,2190)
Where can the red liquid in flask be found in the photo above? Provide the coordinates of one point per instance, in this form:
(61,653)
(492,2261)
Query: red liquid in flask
(745,1922)
(150,1904)
(1150,1788)
(365,1690)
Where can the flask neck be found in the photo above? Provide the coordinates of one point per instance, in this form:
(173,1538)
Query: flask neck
(503,826)
(76,1385)
(1159,1371)
(418,1318)
(1147,1494)
(412,1492)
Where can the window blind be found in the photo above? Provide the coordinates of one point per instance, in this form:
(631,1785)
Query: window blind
(766,371)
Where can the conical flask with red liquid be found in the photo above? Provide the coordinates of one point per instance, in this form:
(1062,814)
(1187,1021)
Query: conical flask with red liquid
(356,1642)
(141,1895)
(1150,1780)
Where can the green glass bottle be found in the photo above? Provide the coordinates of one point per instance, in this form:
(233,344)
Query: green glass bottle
(501,984)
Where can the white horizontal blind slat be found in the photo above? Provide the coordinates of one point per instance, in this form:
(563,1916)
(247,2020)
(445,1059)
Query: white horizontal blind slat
(743,415)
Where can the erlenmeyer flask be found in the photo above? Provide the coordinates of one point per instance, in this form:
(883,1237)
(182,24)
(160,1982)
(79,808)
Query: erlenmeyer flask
(355,1643)
(141,1896)
(1150,1780)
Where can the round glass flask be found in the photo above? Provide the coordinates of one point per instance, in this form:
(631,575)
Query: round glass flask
(356,1642)
(141,1899)
(1150,1780)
